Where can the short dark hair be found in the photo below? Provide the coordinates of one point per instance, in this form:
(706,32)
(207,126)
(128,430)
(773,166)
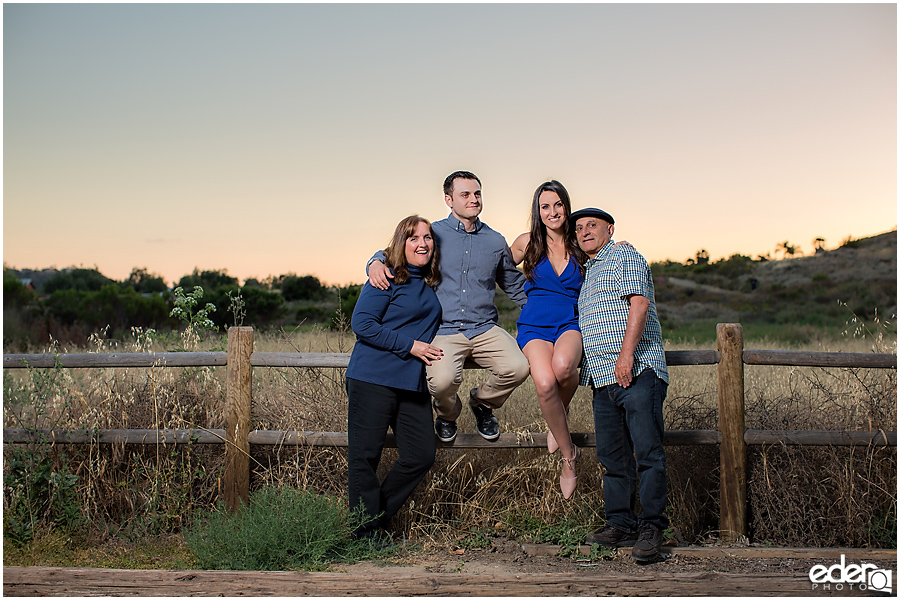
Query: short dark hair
(448,183)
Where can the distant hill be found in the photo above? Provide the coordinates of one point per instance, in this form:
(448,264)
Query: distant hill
(795,294)
(867,259)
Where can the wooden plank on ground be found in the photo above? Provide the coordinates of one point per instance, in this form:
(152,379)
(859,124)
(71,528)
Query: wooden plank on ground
(58,581)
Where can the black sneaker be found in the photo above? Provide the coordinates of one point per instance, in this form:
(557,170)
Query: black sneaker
(649,540)
(487,423)
(612,537)
(445,430)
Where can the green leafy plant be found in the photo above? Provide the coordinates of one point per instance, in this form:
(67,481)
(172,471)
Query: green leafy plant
(279,529)
(37,485)
(197,319)
(478,537)
(185,305)
(569,533)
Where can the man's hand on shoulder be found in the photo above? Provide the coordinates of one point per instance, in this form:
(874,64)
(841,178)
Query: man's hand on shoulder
(379,275)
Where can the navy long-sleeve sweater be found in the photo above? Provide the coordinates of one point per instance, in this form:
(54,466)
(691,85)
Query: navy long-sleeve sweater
(386,323)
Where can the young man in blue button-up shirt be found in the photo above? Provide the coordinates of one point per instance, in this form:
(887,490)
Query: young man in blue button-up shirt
(474,259)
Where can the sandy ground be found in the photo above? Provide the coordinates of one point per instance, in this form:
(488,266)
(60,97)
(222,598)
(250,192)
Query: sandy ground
(506,556)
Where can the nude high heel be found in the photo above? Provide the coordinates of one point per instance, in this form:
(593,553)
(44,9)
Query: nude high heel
(567,484)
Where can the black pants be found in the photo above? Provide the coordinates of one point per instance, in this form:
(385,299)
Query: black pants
(372,409)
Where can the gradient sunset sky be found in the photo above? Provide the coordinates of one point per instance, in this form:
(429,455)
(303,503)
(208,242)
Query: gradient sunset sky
(267,139)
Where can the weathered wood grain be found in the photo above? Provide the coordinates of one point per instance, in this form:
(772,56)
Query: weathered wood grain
(312,438)
(820,438)
(732,450)
(116,359)
(753,437)
(114,436)
(793,358)
(337,360)
(57,581)
(238,406)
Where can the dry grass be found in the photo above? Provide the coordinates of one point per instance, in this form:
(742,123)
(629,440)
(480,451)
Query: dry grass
(798,496)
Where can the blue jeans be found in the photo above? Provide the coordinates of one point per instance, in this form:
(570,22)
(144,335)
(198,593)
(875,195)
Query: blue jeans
(629,426)
(372,409)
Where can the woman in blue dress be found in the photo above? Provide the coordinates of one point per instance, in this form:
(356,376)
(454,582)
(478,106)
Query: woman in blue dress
(548,330)
(386,377)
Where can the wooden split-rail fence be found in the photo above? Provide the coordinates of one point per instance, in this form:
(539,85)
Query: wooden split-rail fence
(240,359)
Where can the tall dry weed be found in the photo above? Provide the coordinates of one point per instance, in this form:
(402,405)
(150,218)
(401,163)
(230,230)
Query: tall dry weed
(798,496)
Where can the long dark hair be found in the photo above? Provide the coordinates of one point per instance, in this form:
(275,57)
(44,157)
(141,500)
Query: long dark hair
(537,244)
(395,253)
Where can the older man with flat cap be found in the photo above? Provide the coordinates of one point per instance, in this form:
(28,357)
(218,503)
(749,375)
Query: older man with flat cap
(625,365)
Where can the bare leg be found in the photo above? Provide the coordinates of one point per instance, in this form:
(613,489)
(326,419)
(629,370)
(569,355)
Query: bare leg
(566,357)
(540,359)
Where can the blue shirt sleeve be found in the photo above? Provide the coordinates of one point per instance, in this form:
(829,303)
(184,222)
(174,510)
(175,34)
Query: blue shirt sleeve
(379,256)
(511,280)
(368,322)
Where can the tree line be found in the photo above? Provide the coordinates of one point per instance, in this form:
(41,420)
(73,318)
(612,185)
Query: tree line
(71,304)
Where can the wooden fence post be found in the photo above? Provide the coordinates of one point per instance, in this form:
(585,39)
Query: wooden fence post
(239,375)
(732,450)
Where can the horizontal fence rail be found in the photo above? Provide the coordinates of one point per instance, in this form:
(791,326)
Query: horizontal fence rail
(339,360)
(336,360)
(790,358)
(338,439)
(311,438)
(115,359)
(731,437)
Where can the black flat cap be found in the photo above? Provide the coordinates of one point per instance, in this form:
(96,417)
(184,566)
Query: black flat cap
(590,212)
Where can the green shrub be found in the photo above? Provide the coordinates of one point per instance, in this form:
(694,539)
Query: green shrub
(311,314)
(35,491)
(38,487)
(15,294)
(306,287)
(278,529)
(82,280)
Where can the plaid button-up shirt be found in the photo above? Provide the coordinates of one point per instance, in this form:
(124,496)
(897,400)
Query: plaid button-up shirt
(614,274)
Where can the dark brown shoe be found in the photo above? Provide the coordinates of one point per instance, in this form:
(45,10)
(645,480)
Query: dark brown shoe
(647,546)
(612,537)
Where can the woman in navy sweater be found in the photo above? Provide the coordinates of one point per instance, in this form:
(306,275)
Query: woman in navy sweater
(386,376)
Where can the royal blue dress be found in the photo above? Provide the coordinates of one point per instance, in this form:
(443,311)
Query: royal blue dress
(552,306)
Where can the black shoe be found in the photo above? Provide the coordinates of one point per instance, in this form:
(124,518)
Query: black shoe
(487,423)
(649,540)
(612,537)
(445,430)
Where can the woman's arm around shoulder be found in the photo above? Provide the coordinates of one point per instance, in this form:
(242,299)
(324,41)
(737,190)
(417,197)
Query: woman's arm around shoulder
(518,247)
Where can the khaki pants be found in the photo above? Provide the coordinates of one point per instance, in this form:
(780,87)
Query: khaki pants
(494,350)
